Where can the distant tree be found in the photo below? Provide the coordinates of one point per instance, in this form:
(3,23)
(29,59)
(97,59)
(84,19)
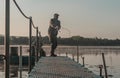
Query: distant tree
(19,40)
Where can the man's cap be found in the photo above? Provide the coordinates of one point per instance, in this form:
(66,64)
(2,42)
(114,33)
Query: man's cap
(56,14)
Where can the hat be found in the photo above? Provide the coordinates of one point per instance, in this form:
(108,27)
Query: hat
(56,14)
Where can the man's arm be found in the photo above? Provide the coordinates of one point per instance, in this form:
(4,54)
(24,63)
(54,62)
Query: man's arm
(59,26)
(51,24)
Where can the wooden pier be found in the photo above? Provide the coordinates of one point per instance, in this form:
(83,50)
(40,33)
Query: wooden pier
(59,67)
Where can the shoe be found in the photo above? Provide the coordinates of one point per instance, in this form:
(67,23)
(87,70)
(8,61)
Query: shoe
(54,55)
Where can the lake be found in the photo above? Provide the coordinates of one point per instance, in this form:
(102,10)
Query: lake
(92,55)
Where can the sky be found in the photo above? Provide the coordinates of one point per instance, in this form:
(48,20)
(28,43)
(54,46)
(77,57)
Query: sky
(87,18)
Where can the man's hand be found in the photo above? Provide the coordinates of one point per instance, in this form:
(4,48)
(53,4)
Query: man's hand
(57,28)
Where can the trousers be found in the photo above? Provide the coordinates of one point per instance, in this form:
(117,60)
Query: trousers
(53,40)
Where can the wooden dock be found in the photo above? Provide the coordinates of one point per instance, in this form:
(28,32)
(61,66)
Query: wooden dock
(59,67)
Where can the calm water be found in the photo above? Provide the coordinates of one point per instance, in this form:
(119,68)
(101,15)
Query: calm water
(92,56)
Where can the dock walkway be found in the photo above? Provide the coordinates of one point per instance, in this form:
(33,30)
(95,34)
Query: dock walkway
(59,67)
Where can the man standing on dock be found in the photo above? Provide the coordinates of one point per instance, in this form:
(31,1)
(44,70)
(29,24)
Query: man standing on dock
(54,27)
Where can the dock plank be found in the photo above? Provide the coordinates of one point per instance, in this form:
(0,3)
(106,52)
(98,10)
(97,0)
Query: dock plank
(59,67)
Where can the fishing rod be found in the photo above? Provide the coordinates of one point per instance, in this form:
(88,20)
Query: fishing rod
(66,29)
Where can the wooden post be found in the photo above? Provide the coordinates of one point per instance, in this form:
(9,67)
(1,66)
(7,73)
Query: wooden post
(77,54)
(20,62)
(7,37)
(104,63)
(83,61)
(30,44)
(73,56)
(40,44)
(37,45)
(100,67)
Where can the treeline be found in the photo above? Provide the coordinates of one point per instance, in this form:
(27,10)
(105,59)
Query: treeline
(16,40)
(81,41)
(74,40)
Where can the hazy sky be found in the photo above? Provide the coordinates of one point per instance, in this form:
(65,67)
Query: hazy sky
(87,18)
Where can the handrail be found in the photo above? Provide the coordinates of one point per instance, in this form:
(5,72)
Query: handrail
(20,10)
(30,34)
(23,13)
(33,25)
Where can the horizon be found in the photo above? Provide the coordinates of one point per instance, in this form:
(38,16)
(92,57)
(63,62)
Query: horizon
(65,37)
(88,18)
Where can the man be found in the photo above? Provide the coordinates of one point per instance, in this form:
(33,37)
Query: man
(54,27)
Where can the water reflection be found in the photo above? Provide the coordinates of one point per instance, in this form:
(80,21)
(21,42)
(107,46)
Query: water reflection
(113,66)
(14,70)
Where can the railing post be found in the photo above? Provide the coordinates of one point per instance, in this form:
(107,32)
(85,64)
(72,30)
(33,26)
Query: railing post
(83,61)
(104,63)
(40,44)
(37,44)
(7,37)
(77,54)
(20,62)
(30,46)
(100,67)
